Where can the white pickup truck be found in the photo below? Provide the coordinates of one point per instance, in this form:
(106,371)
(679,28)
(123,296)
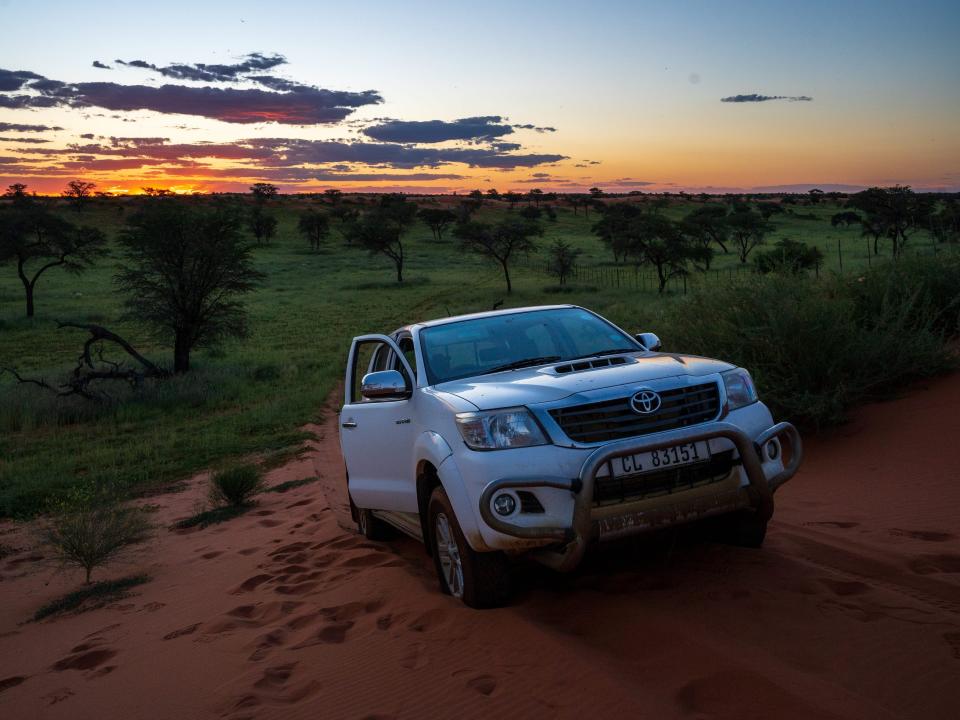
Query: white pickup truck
(542,430)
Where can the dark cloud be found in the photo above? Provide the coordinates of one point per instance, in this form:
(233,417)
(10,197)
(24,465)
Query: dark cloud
(20,127)
(204,72)
(29,140)
(289,153)
(434,131)
(11,80)
(87,136)
(754,98)
(537,128)
(370,177)
(98,64)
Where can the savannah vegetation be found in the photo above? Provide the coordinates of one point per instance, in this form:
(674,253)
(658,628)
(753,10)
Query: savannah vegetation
(210,330)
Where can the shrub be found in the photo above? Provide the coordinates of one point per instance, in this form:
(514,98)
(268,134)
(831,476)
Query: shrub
(930,281)
(89,529)
(812,353)
(789,256)
(236,486)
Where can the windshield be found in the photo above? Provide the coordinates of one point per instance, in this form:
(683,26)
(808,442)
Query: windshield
(502,342)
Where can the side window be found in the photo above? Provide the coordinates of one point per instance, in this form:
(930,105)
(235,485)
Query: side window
(406,347)
(372,356)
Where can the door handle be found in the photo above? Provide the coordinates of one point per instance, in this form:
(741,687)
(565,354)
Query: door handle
(348,424)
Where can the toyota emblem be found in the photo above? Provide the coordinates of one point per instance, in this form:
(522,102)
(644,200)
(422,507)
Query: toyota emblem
(645,402)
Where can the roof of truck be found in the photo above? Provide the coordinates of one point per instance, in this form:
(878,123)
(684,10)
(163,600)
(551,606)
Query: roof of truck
(490,313)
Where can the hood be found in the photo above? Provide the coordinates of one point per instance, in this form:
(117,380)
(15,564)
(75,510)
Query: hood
(530,386)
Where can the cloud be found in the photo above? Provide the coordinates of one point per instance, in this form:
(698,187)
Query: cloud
(754,98)
(24,140)
(535,128)
(98,64)
(204,72)
(11,80)
(485,127)
(305,105)
(20,127)
(369,177)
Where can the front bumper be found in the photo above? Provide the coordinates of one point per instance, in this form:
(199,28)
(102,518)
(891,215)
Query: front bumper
(589,522)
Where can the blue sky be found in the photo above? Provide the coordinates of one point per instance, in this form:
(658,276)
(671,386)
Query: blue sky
(635,87)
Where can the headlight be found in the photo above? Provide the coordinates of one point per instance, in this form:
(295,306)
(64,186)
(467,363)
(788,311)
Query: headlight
(500,429)
(739,387)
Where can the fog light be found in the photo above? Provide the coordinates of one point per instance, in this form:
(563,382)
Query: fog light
(504,504)
(773,449)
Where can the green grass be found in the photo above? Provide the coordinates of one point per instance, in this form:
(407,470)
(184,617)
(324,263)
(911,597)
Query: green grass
(92,596)
(252,397)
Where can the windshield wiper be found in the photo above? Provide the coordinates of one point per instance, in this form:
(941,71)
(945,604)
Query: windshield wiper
(615,351)
(517,364)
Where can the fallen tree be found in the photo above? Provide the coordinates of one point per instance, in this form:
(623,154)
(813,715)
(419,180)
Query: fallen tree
(93,367)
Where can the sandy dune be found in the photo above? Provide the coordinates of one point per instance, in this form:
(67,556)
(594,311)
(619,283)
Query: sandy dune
(852,610)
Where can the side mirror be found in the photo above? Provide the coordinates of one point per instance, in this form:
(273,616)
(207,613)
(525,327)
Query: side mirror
(384,385)
(650,341)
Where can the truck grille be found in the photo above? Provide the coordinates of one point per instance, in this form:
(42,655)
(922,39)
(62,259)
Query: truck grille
(614,419)
(612,491)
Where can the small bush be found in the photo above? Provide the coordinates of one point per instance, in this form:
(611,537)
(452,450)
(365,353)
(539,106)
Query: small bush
(811,352)
(101,592)
(236,486)
(90,529)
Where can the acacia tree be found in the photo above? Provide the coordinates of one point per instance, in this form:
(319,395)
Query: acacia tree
(263,191)
(655,240)
(612,228)
(501,241)
(16,190)
(186,268)
(438,220)
(333,195)
(315,227)
(562,259)
(36,240)
(747,230)
(894,212)
(79,193)
(380,230)
(709,221)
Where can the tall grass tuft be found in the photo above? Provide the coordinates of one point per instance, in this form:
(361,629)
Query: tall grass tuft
(236,486)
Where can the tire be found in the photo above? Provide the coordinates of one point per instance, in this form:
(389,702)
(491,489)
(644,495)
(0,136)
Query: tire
(744,529)
(481,580)
(372,527)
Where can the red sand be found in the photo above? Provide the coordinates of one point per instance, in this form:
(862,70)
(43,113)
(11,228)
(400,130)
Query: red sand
(850,611)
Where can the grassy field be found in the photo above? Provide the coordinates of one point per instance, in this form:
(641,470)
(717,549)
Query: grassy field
(252,397)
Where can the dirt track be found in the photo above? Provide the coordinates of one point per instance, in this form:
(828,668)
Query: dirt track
(852,610)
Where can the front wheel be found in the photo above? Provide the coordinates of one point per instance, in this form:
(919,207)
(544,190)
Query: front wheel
(481,580)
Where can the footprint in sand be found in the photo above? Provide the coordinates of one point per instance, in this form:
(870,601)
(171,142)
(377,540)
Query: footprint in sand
(415,656)
(334,634)
(483,684)
(84,660)
(925,535)
(212,555)
(299,503)
(188,630)
(845,587)
(839,524)
(429,620)
(270,523)
(266,643)
(247,551)
(253,583)
(930,564)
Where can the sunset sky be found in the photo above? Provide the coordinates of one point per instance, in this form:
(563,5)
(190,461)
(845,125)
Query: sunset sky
(441,97)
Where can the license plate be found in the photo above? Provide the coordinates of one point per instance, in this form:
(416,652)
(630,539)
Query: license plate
(661,458)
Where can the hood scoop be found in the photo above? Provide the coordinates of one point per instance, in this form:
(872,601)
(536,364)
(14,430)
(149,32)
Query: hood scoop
(581,365)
